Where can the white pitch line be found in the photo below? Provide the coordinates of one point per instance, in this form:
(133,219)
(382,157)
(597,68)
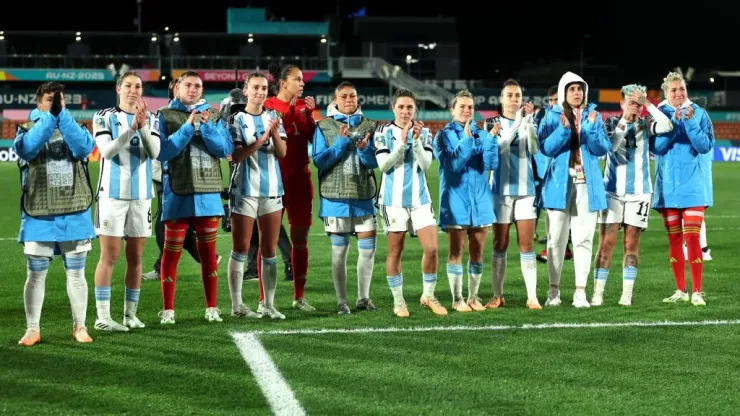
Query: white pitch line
(279,396)
(564,325)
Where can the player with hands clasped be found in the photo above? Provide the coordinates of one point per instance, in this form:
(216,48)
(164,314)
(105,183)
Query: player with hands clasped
(466,155)
(513,187)
(404,153)
(628,187)
(344,154)
(572,134)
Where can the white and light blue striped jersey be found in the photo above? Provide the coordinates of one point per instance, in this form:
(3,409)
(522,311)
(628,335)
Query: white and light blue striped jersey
(627,169)
(405,184)
(514,176)
(259,174)
(128,174)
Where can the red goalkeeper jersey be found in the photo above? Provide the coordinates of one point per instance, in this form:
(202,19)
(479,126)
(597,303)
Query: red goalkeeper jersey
(299,127)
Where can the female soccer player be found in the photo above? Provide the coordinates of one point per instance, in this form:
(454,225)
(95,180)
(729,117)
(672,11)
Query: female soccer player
(682,190)
(345,158)
(514,187)
(466,155)
(404,153)
(191,148)
(573,136)
(298,122)
(257,191)
(628,187)
(128,139)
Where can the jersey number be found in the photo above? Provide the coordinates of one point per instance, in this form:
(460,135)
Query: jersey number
(631,142)
(643,210)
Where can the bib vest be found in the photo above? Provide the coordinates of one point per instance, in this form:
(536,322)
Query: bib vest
(348,179)
(194,170)
(56,182)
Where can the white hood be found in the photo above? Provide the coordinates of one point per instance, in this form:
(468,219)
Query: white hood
(566,79)
(332,110)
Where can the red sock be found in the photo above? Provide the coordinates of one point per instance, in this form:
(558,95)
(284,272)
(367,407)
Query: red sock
(672,221)
(299,258)
(174,237)
(259,275)
(206,230)
(692,218)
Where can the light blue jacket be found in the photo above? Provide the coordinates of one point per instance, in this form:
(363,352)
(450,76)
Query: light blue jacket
(324,157)
(555,144)
(219,144)
(465,165)
(27,145)
(683,168)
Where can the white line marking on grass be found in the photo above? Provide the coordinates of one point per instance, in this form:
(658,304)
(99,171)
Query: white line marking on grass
(279,396)
(495,327)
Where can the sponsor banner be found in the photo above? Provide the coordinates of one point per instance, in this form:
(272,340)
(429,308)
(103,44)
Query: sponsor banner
(12,98)
(727,154)
(25,114)
(228,75)
(62,75)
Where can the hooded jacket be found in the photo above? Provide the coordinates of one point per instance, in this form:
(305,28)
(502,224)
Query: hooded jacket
(324,157)
(555,144)
(465,165)
(683,164)
(27,145)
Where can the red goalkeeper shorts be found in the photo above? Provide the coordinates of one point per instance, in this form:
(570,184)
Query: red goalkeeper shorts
(298,199)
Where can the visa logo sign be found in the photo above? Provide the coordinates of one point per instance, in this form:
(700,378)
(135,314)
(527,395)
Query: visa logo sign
(727,154)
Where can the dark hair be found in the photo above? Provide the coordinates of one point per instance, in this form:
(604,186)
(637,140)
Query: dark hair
(552,91)
(511,82)
(127,74)
(278,74)
(255,74)
(344,84)
(48,88)
(171,88)
(402,93)
(568,112)
(188,74)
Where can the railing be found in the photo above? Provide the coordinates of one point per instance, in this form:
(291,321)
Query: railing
(395,76)
(58,61)
(238,62)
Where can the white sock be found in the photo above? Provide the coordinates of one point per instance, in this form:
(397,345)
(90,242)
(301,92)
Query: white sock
(528,262)
(269,279)
(339,248)
(74,266)
(474,274)
(430,282)
(396,285)
(498,263)
(629,274)
(454,275)
(102,301)
(33,293)
(703,235)
(365,263)
(235,274)
(600,277)
(132,302)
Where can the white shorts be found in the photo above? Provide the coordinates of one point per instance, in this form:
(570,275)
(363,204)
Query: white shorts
(397,219)
(509,209)
(123,218)
(627,209)
(344,225)
(47,249)
(255,207)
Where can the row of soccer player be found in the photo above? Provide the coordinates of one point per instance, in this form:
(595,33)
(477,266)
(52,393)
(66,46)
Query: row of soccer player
(272,175)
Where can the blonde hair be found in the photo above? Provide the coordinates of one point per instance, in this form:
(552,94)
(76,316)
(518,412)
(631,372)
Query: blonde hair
(671,77)
(461,94)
